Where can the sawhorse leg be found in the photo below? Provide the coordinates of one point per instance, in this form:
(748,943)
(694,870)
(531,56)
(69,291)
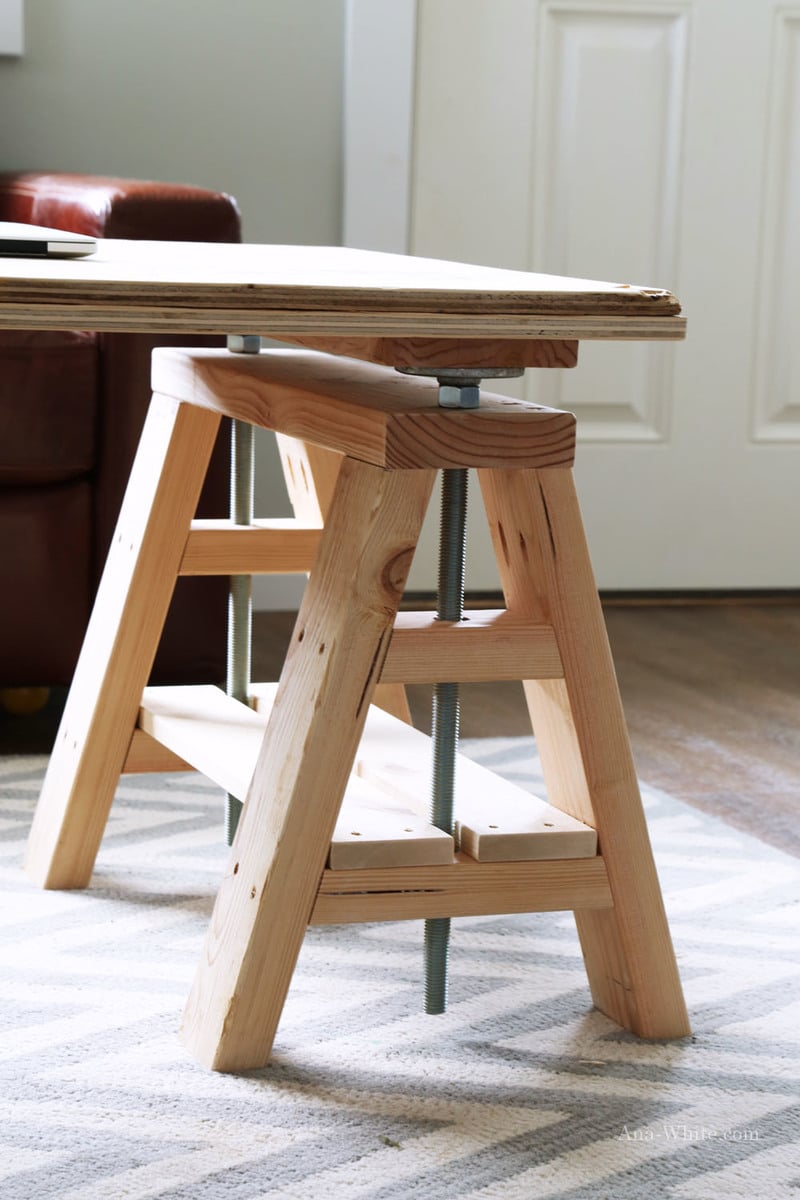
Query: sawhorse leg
(120,643)
(310,473)
(340,640)
(583,742)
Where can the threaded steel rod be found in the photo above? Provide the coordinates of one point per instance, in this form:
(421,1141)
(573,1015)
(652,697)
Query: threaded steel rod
(240,600)
(450,607)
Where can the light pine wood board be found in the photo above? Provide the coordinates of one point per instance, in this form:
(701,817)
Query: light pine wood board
(221,738)
(366,411)
(283,839)
(174,287)
(438,353)
(146,756)
(495,820)
(544,564)
(486,646)
(275,546)
(120,644)
(310,473)
(463,889)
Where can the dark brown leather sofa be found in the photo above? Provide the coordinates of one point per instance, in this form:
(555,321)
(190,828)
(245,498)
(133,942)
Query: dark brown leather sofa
(71,409)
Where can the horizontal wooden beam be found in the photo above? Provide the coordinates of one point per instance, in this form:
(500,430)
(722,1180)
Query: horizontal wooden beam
(368,412)
(432,352)
(488,644)
(280,546)
(463,889)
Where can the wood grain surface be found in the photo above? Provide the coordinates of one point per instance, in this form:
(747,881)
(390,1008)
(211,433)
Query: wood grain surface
(366,411)
(185,287)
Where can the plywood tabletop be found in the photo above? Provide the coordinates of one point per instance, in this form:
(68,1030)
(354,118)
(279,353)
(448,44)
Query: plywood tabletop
(201,287)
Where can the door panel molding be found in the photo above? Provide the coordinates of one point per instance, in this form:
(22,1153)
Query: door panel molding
(776,377)
(609,119)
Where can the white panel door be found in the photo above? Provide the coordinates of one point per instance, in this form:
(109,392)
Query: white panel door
(648,142)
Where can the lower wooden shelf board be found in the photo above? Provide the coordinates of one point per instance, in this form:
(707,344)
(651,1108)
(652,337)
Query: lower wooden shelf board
(221,738)
(496,821)
(384,819)
(375,830)
(464,888)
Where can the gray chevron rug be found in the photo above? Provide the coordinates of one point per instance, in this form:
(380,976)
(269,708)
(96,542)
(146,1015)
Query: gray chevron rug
(520,1090)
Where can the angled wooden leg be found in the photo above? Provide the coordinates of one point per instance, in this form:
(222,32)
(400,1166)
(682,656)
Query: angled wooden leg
(277,859)
(310,472)
(581,733)
(120,643)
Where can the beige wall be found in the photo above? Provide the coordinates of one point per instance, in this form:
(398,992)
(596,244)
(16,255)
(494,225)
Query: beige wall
(241,95)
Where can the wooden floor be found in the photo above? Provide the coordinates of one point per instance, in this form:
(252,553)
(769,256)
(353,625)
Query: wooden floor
(711,694)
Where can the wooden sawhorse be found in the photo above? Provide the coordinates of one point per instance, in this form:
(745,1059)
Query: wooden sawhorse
(291,863)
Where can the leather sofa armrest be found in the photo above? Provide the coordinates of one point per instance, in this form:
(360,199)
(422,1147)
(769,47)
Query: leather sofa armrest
(193,646)
(105,206)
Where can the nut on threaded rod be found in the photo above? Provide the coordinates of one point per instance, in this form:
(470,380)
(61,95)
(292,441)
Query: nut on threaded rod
(460,387)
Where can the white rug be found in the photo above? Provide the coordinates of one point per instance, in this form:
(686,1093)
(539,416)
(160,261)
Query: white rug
(520,1090)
